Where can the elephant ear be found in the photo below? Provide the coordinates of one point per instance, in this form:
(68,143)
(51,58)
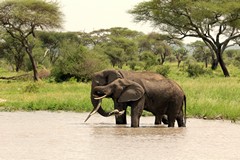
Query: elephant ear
(133,92)
(112,75)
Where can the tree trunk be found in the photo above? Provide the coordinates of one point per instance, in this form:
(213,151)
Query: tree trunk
(34,66)
(222,64)
(206,63)
(162,58)
(214,64)
(179,63)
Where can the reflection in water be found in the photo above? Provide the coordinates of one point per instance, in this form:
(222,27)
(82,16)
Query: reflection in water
(44,135)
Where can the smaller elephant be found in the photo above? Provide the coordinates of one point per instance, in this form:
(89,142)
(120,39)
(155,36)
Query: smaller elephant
(162,97)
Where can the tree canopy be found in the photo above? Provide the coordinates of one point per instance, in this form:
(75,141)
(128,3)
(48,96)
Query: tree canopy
(21,18)
(216,22)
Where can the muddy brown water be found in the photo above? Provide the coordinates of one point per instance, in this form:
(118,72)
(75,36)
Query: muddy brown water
(64,136)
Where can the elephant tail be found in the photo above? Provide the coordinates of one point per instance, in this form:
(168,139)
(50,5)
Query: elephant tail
(185,109)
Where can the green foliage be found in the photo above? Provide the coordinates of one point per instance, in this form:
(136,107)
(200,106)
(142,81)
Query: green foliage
(212,98)
(236,61)
(201,52)
(149,59)
(156,44)
(76,61)
(31,88)
(181,54)
(195,70)
(163,70)
(20,19)
(41,13)
(120,50)
(188,18)
(215,97)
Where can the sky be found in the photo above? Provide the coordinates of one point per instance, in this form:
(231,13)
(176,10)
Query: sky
(89,15)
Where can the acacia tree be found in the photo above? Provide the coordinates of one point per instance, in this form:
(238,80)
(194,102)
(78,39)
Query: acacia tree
(52,42)
(12,51)
(117,43)
(157,44)
(180,54)
(21,18)
(201,52)
(216,22)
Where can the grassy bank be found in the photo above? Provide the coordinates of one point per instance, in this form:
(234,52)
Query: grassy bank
(208,97)
(213,97)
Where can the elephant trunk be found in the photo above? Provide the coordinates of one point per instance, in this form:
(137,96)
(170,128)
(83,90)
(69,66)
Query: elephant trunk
(96,102)
(100,109)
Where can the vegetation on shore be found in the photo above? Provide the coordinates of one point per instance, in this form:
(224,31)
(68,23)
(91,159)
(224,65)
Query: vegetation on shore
(61,63)
(209,96)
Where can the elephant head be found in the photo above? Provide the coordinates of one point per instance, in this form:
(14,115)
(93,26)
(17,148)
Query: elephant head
(121,90)
(124,92)
(101,79)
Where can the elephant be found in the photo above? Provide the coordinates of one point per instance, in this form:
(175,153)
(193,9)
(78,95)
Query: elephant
(161,97)
(105,77)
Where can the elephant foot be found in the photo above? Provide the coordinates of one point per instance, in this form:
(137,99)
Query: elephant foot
(159,119)
(165,119)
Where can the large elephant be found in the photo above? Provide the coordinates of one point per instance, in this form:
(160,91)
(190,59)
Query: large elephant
(107,76)
(159,97)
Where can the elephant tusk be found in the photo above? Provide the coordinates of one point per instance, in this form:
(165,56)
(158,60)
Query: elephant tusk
(93,111)
(116,112)
(98,98)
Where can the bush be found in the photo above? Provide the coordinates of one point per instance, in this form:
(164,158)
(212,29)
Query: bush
(195,70)
(163,70)
(79,63)
(149,59)
(31,88)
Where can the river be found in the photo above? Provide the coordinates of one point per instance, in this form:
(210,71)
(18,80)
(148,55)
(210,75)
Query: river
(64,136)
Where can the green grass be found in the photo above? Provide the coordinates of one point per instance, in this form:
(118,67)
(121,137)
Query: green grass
(213,97)
(70,96)
(209,96)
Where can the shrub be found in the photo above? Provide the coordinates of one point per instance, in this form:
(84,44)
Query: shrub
(149,59)
(79,63)
(31,88)
(195,70)
(163,70)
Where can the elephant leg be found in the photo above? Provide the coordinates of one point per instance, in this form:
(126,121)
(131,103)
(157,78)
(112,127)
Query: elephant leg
(135,117)
(171,119)
(165,119)
(162,118)
(181,120)
(158,119)
(121,119)
(136,112)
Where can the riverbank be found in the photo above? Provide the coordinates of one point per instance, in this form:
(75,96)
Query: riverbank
(207,97)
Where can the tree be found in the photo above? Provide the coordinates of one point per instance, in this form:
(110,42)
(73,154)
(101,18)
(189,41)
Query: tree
(77,61)
(13,51)
(118,44)
(21,18)
(149,59)
(201,52)
(157,44)
(216,22)
(52,42)
(180,54)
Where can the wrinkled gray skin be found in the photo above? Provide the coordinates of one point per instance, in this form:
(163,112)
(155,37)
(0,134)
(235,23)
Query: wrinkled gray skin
(161,97)
(107,76)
